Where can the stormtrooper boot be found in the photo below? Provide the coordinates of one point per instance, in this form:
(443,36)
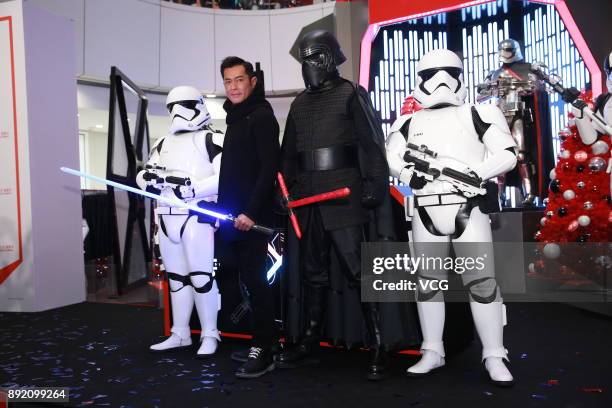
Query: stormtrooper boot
(207,305)
(182,305)
(489,322)
(431,315)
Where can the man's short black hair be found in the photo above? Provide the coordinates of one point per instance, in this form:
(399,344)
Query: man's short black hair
(229,62)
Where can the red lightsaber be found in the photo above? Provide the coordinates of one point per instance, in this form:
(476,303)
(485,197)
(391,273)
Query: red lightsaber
(330,195)
(292,217)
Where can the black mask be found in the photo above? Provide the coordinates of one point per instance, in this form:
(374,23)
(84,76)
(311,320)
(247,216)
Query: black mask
(320,54)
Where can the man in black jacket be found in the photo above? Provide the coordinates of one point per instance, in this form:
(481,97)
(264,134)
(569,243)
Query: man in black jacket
(246,187)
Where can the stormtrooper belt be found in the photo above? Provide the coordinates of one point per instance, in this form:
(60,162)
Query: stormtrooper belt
(438,199)
(329,158)
(171,211)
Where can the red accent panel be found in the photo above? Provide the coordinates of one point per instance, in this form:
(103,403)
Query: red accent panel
(395,193)
(3,399)
(383,10)
(7,270)
(166,308)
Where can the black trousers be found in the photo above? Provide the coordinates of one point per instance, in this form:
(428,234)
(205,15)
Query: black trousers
(251,255)
(315,250)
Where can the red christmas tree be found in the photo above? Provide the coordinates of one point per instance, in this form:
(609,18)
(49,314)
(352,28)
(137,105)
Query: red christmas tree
(578,203)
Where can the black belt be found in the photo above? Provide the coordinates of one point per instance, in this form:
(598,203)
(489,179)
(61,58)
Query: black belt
(329,158)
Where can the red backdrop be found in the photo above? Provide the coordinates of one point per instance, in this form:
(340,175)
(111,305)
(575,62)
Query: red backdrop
(383,10)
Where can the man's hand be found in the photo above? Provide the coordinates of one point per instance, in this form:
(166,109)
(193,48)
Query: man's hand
(243,223)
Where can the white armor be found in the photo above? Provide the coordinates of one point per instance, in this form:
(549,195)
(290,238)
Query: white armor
(590,130)
(186,245)
(587,128)
(467,138)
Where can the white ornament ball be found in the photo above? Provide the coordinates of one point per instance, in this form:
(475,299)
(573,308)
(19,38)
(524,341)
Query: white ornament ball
(552,250)
(553,174)
(565,154)
(569,194)
(600,147)
(543,221)
(584,220)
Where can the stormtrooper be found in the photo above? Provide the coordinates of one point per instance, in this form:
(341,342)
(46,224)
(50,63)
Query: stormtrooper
(516,91)
(472,143)
(185,164)
(589,130)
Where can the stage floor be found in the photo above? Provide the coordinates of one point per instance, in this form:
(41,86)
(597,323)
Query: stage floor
(561,357)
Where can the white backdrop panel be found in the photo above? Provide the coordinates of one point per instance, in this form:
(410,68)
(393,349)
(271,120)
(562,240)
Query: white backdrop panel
(187,54)
(246,36)
(74,10)
(125,34)
(285,27)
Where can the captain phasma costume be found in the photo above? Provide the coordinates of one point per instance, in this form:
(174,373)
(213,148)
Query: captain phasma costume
(473,139)
(332,140)
(186,242)
(524,103)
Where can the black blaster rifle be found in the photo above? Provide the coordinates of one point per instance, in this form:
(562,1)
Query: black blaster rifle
(466,184)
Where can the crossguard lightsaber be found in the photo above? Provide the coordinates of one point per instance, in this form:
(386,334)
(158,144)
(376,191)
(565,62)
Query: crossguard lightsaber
(285,193)
(174,202)
(331,195)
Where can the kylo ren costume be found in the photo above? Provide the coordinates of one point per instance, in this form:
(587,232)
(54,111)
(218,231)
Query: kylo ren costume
(333,140)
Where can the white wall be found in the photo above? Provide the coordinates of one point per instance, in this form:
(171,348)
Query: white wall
(51,274)
(160,44)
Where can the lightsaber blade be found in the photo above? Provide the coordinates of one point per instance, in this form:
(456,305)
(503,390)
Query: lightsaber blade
(170,201)
(292,217)
(330,195)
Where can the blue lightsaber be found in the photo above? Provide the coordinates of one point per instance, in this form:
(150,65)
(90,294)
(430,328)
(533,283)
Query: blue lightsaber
(174,202)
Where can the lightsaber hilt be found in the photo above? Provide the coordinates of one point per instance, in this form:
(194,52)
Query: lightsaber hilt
(256,227)
(285,193)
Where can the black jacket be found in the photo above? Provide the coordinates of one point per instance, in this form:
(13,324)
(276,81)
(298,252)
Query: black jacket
(339,114)
(249,164)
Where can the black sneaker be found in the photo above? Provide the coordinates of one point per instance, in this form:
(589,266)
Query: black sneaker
(258,363)
(240,356)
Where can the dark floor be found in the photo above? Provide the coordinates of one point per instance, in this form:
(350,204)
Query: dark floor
(561,357)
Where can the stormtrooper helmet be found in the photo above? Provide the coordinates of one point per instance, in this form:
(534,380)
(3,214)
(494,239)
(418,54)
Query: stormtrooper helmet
(440,80)
(608,71)
(187,109)
(509,51)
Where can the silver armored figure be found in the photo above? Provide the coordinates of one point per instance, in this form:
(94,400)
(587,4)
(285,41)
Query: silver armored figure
(511,84)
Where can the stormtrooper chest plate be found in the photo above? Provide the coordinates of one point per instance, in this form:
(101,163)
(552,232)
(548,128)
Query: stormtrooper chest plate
(185,155)
(607,111)
(450,133)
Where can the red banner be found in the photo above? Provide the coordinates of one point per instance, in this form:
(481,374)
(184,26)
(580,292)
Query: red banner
(384,10)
